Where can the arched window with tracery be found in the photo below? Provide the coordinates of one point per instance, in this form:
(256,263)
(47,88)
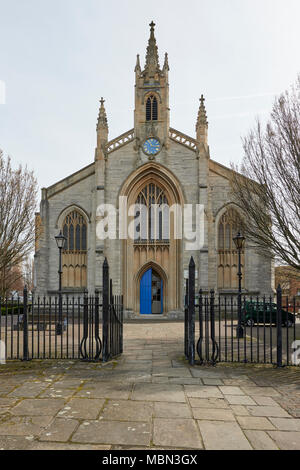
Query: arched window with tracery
(229,225)
(151,108)
(152,215)
(74,256)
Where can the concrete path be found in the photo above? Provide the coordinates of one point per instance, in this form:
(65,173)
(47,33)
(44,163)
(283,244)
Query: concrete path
(148,398)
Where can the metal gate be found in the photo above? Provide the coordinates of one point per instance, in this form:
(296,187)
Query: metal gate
(220,328)
(87,327)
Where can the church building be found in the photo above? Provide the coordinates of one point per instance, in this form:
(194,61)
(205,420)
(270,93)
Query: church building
(149,164)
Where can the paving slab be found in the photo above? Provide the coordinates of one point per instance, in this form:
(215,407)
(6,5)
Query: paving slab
(66,446)
(208,403)
(285,424)
(212,381)
(184,381)
(176,433)
(230,390)
(171,372)
(204,391)
(38,407)
(265,401)
(7,402)
(275,411)
(28,426)
(240,400)
(286,440)
(172,410)
(59,430)
(211,414)
(82,408)
(158,392)
(113,432)
(223,436)
(253,422)
(260,440)
(28,390)
(261,391)
(239,410)
(15,442)
(127,410)
(207,373)
(103,389)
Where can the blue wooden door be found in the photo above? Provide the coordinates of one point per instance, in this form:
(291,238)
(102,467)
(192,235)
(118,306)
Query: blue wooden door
(146,293)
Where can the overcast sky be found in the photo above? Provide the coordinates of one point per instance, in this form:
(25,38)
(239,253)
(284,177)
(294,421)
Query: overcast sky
(58,57)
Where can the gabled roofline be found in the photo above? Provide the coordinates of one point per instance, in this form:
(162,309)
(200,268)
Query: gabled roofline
(68,181)
(225,171)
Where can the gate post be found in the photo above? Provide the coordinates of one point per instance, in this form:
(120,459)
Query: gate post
(82,347)
(105,309)
(25,325)
(186,320)
(279,326)
(191,313)
(97,339)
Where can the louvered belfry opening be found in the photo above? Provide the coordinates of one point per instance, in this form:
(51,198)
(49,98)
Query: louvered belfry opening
(151,108)
(74,259)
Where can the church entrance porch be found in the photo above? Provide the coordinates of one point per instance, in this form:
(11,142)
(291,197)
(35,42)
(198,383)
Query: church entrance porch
(151,293)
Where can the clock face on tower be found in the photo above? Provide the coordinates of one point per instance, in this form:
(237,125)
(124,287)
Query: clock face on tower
(151,146)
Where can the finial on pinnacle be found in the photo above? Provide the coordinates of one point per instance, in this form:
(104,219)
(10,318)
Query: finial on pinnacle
(152,25)
(102,118)
(152,60)
(202,116)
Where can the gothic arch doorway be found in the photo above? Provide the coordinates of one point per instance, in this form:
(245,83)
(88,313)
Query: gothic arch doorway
(151,293)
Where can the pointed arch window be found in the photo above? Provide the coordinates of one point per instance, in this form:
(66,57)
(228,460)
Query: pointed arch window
(151,108)
(229,225)
(75,253)
(152,215)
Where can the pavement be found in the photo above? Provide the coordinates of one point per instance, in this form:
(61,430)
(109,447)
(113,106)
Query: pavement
(148,398)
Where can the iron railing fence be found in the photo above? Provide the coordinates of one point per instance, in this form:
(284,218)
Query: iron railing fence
(63,326)
(270,327)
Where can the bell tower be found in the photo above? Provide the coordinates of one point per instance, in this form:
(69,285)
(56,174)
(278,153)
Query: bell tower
(151,114)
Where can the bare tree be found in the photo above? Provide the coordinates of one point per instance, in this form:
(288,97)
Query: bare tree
(18,201)
(270,193)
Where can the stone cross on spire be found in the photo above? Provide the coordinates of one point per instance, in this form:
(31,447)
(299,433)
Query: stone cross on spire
(152,60)
(102,118)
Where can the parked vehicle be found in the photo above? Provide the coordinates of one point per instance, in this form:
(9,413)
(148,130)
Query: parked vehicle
(259,312)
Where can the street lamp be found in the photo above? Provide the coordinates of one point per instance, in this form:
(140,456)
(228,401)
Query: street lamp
(239,241)
(60,241)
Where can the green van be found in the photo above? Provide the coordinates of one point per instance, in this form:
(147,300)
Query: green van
(258,312)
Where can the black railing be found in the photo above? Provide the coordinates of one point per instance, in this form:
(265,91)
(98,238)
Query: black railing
(89,323)
(270,327)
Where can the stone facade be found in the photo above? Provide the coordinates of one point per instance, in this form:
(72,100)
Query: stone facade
(182,168)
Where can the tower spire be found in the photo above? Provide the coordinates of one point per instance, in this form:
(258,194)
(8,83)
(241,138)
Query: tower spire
(202,123)
(152,60)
